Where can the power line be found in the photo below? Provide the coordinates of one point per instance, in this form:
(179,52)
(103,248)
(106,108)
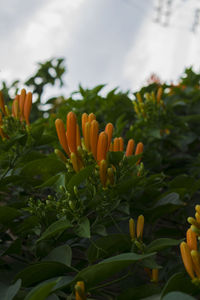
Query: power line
(165,10)
(139,7)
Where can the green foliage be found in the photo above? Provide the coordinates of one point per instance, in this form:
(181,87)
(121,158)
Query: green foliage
(58,226)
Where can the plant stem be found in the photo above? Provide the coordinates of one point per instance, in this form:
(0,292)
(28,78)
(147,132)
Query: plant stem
(109,283)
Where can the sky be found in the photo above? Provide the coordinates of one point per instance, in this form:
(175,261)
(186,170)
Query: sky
(113,42)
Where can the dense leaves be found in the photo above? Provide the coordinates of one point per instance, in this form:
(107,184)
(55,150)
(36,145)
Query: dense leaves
(59,226)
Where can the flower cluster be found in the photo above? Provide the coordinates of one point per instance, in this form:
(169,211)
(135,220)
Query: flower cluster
(189,249)
(141,106)
(151,108)
(21,108)
(94,143)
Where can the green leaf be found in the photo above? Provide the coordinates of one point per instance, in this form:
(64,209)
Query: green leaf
(188,183)
(41,271)
(27,225)
(139,292)
(178,296)
(42,169)
(160,244)
(63,282)
(83,229)
(62,254)
(99,229)
(55,229)
(108,245)
(16,138)
(80,177)
(53,297)
(14,248)
(172,198)
(150,263)
(37,131)
(95,274)
(41,291)
(7,214)
(55,181)
(179,282)
(114,158)
(132,159)
(8,293)
(155,133)
(125,208)
(30,156)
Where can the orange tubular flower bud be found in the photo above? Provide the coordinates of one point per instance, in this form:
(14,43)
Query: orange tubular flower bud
(22,99)
(15,107)
(155,275)
(94,131)
(71,131)
(2,104)
(187,259)
(27,107)
(80,291)
(91,117)
(140,226)
(74,161)
(103,172)
(116,145)
(196,262)
(84,121)
(60,128)
(132,229)
(78,137)
(130,147)
(109,130)
(159,94)
(121,144)
(102,146)
(87,136)
(191,239)
(139,150)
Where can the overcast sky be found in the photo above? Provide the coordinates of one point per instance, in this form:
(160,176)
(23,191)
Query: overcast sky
(116,42)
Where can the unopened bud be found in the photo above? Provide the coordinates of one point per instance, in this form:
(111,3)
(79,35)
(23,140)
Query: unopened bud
(72,205)
(192,221)
(75,190)
(195,229)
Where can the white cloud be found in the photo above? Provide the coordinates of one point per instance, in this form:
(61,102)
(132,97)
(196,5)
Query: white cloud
(163,50)
(104,41)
